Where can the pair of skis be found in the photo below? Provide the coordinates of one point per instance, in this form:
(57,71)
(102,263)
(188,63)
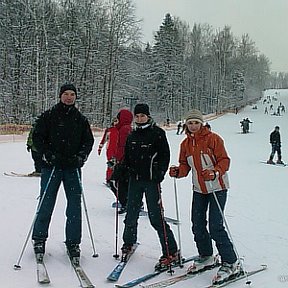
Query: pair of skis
(148,276)
(181,277)
(275,164)
(186,276)
(43,276)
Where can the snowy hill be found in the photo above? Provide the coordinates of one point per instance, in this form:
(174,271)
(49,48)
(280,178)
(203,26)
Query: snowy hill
(256,211)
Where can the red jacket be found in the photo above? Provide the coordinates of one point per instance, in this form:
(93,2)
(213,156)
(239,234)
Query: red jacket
(204,150)
(124,128)
(112,142)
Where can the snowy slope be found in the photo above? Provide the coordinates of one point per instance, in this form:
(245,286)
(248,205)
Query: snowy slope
(256,211)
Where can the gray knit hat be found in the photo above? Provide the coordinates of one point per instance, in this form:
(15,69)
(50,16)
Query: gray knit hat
(195,115)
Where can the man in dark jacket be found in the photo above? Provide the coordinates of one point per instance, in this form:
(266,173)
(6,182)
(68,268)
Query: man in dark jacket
(147,157)
(64,137)
(275,142)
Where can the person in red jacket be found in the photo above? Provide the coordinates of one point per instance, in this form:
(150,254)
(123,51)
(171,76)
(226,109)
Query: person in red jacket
(203,152)
(124,127)
(110,137)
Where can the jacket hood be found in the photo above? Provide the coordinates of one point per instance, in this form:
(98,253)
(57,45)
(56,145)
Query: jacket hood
(125,118)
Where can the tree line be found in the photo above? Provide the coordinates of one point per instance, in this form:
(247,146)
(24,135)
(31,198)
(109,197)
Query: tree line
(96,44)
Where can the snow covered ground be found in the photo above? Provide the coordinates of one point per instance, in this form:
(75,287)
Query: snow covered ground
(256,211)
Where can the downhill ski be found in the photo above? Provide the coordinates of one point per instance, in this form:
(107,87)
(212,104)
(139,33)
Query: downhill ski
(14,174)
(186,276)
(143,278)
(178,278)
(275,164)
(116,272)
(243,275)
(80,273)
(42,273)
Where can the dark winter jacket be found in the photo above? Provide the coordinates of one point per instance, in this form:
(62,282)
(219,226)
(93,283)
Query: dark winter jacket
(275,138)
(147,153)
(63,136)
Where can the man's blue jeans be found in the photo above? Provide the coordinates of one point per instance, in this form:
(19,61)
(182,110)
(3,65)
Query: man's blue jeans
(73,192)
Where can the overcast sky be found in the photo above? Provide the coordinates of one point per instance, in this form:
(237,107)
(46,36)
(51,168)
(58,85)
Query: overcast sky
(266,21)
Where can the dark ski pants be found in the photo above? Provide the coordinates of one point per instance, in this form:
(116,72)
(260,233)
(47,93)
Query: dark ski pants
(276,148)
(203,238)
(135,195)
(73,191)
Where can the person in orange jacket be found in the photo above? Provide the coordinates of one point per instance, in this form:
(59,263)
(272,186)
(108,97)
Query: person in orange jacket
(203,152)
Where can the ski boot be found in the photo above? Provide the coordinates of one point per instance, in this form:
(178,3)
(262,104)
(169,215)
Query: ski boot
(122,210)
(126,250)
(202,263)
(73,251)
(280,162)
(270,161)
(165,261)
(227,272)
(39,250)
(39,246)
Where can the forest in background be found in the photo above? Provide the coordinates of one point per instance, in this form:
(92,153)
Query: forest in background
(96,44)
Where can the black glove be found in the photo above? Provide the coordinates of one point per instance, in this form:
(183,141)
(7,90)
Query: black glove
(76,161)
(29,148)
(118,172)
(111,163)
(51,159)
(157,173)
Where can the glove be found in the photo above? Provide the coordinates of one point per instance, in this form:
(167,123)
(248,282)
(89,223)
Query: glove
(208,175)
(174,171)
(158,176)
(28,148)
(118,172)
(80,161)
(50,158)
(76,161)
(100,149)
(157,173)
(111,163)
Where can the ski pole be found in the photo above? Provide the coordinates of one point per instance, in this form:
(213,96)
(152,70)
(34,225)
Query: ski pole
(116,255)
(17,266)
(178,226)
(225,222)
(164,228)
(87,218)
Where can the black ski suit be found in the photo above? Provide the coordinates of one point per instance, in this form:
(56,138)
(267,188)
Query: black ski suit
(147,157)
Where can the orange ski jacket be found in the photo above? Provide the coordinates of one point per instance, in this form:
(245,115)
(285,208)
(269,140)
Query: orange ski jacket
(200,151)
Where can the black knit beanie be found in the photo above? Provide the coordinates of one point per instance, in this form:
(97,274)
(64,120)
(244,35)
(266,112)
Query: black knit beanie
(142,108)
(66,87)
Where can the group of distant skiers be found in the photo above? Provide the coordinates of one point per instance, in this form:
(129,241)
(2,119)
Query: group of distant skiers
(245,124)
